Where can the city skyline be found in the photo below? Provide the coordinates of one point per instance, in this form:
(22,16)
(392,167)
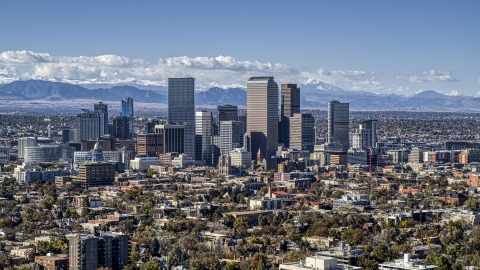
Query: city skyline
(399,48)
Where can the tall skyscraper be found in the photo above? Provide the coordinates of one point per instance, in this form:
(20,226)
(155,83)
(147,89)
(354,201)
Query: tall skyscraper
(88,125)
(203,136)
(227,112)
(121,128)
(262,118)
(101,110)
(338,123)
(302,132)
(181,109)
(368,129)
(290,105)
(127,111)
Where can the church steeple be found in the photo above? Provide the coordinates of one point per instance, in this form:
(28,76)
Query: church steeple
(259,156)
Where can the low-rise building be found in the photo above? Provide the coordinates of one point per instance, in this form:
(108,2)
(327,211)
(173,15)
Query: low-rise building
(352,200)
(53,261)
(407,263)
(317,262)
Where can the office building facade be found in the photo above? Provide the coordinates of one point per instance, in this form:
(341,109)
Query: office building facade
(149,145)
(121,128)
(181,109)
(101,109)
(338,124)
(231,136)
(25,142)
(48,153)
(262,118)
(126,110)
(227,112)
(203,136)
(302,132)
(290,105)
(94,175)
(173,137)
(87,126)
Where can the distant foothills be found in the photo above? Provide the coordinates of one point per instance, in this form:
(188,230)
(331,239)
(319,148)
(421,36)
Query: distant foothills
(313,96)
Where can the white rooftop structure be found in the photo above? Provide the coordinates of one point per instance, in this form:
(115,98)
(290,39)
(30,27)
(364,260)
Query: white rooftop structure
(317,262)
(407,263)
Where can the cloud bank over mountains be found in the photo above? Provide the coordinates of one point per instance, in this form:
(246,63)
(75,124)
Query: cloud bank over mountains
(220,71)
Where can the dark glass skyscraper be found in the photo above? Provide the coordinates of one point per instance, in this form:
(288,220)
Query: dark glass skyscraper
(338,123)
(101,110)
(290,105)
(181,109)
(127,111)
(227,112)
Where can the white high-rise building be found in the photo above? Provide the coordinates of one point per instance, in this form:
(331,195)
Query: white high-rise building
(203,136)
(231,136)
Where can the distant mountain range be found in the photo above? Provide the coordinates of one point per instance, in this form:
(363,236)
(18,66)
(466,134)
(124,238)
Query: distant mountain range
(313,96)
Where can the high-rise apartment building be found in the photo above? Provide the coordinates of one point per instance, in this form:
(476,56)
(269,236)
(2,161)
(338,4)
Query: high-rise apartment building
(302,132)
(181,109)
(203,136)
(87,126)
(173,137)
(91,252)
(126,110)
(231,136)
(227,112)
(101,109)
(290,105)
(338,123)
(262,118)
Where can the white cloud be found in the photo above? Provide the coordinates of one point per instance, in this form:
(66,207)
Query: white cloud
(431,76)
(113,69)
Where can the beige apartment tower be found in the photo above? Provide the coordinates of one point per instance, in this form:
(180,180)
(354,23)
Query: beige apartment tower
(262,118)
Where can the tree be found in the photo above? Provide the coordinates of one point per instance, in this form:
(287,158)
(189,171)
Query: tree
(126,226)
(241,225)
(380,253)
(47,203)
(134,253)
(367,264)
(203,261)
(25,267)
(150,172)
(258,261)
(443,263)
(232,266)
(43,247)
(175,257)
(151,265)
(153,245)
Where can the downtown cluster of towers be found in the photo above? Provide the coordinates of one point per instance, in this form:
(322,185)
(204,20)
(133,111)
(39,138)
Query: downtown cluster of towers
(260,131)
(198,136)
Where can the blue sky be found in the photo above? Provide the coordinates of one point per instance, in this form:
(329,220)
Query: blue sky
(379,46)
